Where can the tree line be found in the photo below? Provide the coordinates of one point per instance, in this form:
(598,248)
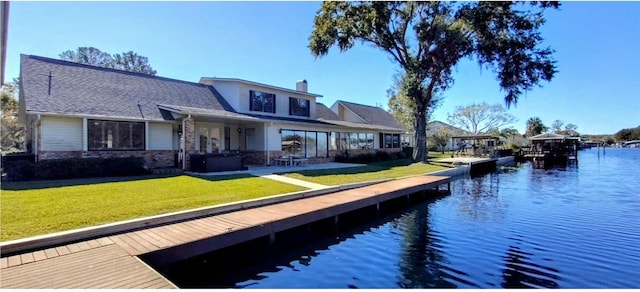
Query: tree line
(628,134)
(127,61)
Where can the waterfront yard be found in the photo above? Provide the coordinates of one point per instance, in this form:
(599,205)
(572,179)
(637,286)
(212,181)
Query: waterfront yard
(370,172)
(40,207)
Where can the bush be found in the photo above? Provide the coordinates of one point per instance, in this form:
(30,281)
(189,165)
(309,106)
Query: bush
(18,170)
(18,166)
(75,168)
(367,158)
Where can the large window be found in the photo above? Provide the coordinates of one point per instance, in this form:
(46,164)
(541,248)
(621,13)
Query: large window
(262,102)
(113,135)
(298,107)
(351,141)
(305,143)
(389,140)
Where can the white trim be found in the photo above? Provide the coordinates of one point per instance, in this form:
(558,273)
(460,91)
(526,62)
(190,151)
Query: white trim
(146,135)
(252,83)
(35,138)
(85,135)
(97,117)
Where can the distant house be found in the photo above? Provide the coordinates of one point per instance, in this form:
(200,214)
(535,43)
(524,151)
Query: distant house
(72,110)
(435,126)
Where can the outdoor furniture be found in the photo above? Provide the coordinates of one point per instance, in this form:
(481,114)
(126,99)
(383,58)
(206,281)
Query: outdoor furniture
(300,161)
(282,161)
(213,162)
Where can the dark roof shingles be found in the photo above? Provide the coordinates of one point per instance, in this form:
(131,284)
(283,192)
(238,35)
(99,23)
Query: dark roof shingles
(372,115)
(78,89)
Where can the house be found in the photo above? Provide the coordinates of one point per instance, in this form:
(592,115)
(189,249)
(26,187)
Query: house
(72,110)
(435,127)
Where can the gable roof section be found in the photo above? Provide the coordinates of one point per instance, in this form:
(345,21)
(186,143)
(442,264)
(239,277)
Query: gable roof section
(372,115)
(85,90)
(325,113)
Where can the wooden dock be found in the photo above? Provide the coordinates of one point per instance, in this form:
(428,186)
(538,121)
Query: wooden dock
(112,261)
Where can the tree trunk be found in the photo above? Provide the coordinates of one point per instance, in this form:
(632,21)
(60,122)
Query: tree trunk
(420,150)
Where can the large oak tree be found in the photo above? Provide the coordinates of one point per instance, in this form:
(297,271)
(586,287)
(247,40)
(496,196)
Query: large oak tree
(481,118)
(428,39)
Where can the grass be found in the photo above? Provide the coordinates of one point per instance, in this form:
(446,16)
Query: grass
(34,208)
(370,172)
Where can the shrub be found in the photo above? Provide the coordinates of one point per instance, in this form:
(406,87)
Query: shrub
(19,170)
(367,158)
(75,168)
(18,166)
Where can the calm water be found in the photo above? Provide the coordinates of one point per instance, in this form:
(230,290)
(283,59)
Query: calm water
(575,227)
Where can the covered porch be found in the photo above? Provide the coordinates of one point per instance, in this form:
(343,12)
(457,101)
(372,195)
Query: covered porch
(475,145)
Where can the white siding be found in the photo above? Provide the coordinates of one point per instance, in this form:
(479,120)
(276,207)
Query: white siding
(61,134)
(230,93)
(237,95)
(160,136)
(349,116)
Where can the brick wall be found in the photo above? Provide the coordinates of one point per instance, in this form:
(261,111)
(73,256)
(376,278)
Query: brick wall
(189,133)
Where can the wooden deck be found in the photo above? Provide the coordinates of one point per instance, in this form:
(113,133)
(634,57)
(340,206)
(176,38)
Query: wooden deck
(112,261)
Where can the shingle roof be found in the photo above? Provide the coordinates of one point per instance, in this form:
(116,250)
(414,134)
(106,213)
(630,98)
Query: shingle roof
(372,115)
(325,113)
(78,89)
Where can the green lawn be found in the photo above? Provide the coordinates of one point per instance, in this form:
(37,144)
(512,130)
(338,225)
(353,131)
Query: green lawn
(34,208)
(370,172)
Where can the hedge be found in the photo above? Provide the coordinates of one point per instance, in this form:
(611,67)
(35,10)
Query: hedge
(369,157)
(74,168)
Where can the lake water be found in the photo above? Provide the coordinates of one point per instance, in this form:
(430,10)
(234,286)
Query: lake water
(573,227)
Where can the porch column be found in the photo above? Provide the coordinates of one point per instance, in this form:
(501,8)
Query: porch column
(188,131)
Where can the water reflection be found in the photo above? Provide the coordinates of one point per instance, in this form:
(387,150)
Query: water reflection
(520,270)
(420,260)
(480,199)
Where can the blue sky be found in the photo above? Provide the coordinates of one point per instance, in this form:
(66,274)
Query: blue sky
(597,48)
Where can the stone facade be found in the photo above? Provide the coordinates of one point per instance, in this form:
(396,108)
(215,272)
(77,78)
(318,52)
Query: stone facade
(153,158)
(189,133)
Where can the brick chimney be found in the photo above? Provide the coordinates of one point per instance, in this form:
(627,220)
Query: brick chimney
(301,85)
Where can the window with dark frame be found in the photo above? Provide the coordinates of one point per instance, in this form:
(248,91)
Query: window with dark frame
(262,102)
(298,107)
(115,135)
(389,140)
(305,143)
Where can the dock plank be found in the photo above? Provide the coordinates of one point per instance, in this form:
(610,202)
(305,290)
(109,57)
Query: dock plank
(14,261)
(27,258)
(130,243)
(39,255)
(62,250)
(81,269)
(104,241)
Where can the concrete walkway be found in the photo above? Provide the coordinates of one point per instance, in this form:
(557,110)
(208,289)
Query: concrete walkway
(293,181)
(275,172)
